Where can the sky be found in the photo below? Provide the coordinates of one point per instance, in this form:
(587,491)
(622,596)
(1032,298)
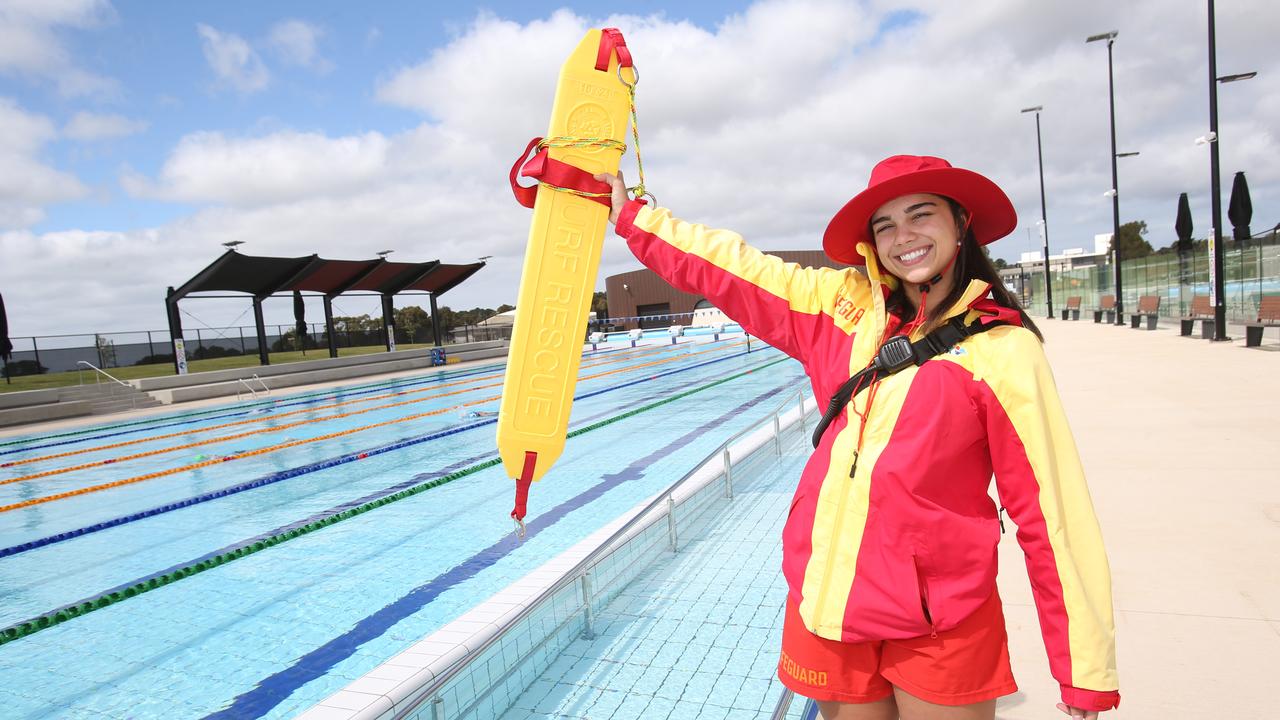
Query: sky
(137,137)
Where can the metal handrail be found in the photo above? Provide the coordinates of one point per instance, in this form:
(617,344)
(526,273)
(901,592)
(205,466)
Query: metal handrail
(780,710)
(99,371)
(431,691)
(247,386)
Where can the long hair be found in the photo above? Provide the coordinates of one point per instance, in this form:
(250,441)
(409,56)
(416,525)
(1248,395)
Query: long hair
(971,264)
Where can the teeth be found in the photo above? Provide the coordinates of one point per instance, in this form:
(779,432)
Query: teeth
(913,255)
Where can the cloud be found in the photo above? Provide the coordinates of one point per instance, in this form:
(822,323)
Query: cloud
(30,45)
(295,41)
(232,60)
(27,184)
(88,127)
(742,126)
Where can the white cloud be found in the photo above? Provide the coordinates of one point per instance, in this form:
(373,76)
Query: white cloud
(27,183)
(232,60)
(765,123)
(295,42)
(30,46)
(88,127)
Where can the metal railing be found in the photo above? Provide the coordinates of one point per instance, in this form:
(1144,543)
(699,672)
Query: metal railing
(114,382)
(580,574)
(810,711)
(254,393)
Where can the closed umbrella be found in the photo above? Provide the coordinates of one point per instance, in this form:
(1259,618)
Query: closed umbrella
(1183,227)
(6,347)
(1183,224)
(1240,209)
(300,317)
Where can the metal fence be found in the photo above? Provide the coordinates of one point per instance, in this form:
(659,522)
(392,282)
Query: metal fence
(1251,270)
(60,353)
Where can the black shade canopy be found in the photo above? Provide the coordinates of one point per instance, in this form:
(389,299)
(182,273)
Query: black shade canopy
(6,347)
(1183,224)
(1240,209)
(266,276)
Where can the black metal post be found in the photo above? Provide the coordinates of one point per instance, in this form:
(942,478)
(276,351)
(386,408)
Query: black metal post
(263,358)
(388,321)
(328,327)
(175,327)
(1115,188)
(435,320)
(1044,222)
(1217,286)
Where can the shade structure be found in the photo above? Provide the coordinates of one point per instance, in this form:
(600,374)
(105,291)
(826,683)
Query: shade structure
(1240,208)
(262,277)
(1183,224)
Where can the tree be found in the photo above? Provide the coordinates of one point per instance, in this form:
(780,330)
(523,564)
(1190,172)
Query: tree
(600,305)
(410,320)
(1132,244)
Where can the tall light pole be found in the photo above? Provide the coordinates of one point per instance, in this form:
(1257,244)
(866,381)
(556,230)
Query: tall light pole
(1110,37)
(1217,281)
(1044,217)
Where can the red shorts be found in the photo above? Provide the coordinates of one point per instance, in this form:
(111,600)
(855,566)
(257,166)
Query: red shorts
(967,664)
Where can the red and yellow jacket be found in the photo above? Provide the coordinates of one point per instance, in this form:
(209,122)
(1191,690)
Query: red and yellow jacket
(892,532)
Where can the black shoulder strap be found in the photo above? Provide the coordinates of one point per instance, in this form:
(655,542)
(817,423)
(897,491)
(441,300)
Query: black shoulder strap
(896,354)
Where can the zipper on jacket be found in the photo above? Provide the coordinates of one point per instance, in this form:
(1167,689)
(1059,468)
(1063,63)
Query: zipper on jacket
(1000,517)
(924,597)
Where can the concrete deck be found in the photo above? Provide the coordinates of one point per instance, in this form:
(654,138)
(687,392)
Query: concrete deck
(1179,439)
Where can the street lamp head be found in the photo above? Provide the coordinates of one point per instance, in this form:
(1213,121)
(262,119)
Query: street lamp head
(384,253)
(1108,36)
(1233,78)
(482,258)
(231,244)
(1035,109)
(1128,154)
(1207,138)
(1110,193)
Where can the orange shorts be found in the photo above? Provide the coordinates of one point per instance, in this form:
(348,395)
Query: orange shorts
(967,664)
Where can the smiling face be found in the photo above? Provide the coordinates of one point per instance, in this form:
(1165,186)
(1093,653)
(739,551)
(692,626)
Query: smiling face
(916,237)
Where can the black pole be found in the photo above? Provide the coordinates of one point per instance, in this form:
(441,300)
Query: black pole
(328,326)
(1217,287)
(1044,222)
(388,321)
(435,319)
(1115,188)
(175,328)
(262,332)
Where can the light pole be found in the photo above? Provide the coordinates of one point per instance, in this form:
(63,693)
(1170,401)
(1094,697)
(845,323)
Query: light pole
(1044,217)
(1110,37)
(1217,280)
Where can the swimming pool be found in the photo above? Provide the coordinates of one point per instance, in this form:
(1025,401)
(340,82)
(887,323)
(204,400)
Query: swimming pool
(318,604)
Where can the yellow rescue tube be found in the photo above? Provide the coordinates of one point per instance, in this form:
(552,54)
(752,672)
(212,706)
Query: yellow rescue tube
(560,265)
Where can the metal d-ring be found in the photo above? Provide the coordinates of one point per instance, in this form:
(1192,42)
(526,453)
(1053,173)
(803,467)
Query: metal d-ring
(634,71)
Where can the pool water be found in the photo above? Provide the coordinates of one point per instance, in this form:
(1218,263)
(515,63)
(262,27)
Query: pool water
(279,629)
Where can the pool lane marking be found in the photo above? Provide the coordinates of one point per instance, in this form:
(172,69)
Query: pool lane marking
(300,399)
(313,467)
(280,446)
(277,687)
(28,627)
(247,421)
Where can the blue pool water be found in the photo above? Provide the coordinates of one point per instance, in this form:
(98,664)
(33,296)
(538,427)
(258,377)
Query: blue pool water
(276,631)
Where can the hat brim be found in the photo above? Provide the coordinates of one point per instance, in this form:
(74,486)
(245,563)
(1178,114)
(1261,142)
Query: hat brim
(992,215)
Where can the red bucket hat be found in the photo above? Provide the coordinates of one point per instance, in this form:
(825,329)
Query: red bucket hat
(991,214)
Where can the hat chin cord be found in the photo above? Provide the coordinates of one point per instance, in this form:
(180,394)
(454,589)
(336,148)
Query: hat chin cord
(927,285)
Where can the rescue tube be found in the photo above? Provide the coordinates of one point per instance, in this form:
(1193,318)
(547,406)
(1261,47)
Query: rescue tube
(570,217)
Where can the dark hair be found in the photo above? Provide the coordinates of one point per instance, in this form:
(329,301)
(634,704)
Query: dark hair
(971,263)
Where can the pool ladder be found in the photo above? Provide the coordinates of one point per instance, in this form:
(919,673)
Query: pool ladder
(247,387)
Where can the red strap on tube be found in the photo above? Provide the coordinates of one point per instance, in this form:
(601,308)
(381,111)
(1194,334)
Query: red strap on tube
(522,486)
(543,168)
(610,40)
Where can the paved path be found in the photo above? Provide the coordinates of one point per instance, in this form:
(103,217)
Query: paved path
(1179,437)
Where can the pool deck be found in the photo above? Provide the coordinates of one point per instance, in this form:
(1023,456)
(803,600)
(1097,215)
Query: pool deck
(1178,437)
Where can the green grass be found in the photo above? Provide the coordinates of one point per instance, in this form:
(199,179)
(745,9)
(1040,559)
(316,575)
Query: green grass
(133,372)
